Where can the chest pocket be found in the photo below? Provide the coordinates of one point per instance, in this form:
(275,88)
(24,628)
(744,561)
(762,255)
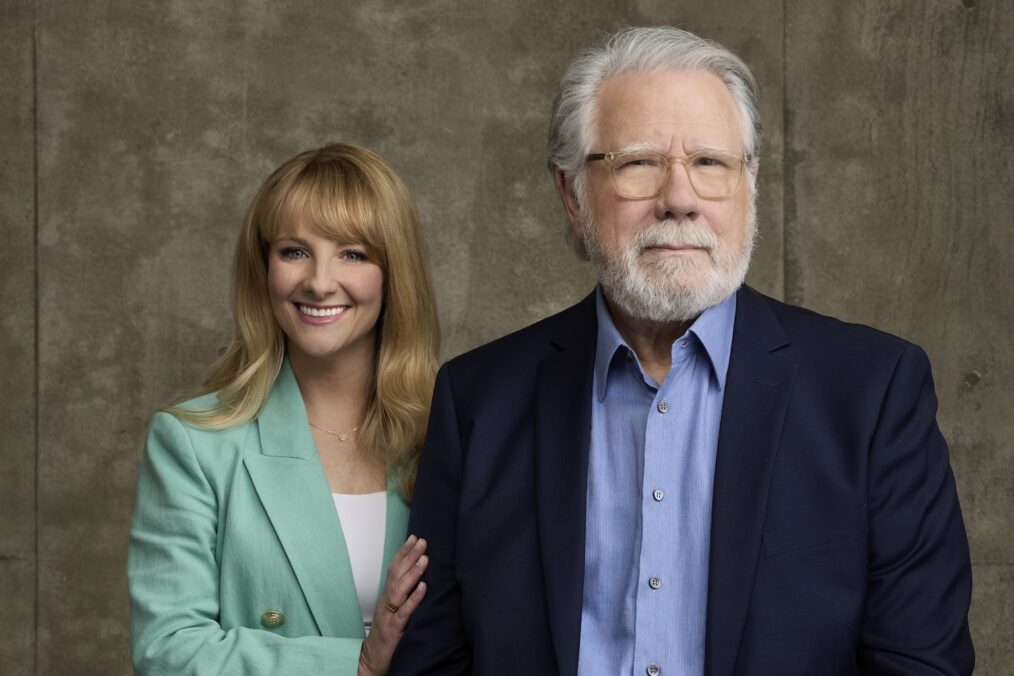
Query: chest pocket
(815,532)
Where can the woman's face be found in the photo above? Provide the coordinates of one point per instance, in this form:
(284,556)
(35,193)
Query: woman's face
(326,296)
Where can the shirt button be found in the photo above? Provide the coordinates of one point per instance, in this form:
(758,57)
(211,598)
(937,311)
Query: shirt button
(630,357)
(684,343)
(663,406)
(655,582)
(653,670)
(658,494)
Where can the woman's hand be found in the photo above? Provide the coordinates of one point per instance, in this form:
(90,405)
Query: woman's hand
(402,595)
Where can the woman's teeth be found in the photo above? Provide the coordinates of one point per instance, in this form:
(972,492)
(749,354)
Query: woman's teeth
(321,312)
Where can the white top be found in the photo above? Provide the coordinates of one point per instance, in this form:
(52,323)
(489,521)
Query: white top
(364,518)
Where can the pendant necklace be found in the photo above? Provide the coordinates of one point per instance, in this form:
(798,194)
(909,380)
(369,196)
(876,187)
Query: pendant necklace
(339,435)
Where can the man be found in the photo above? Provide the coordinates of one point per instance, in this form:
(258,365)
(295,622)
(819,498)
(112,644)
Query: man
(679,475)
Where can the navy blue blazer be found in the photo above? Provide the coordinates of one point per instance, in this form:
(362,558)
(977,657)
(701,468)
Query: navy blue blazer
(837,544)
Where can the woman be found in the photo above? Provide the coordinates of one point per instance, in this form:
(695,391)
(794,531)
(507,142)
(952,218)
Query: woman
(271,509)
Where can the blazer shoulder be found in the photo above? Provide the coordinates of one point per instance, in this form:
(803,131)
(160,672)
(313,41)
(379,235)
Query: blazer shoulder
(168,432)
(531,344)
(805,326)
(846,352)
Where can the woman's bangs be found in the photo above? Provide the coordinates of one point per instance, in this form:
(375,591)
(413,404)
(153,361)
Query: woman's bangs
(331,203)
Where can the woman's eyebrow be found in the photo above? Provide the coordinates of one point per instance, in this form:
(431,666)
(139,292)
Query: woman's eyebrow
(291,238)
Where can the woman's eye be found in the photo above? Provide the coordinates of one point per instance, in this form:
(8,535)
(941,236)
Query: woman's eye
(292,253)
(354,255)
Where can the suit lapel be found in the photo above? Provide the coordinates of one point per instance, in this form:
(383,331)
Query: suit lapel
(294,492)
(562,438)
(756,399)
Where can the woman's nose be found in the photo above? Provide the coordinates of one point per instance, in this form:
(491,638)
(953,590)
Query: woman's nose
(323,280)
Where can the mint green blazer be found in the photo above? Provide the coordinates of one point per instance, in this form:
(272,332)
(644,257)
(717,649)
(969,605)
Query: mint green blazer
(232,526)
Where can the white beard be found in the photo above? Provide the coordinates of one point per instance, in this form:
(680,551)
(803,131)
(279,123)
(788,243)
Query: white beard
(670,288)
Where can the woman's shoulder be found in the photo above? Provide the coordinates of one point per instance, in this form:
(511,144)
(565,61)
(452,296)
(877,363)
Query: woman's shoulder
(202,402)
(180,427)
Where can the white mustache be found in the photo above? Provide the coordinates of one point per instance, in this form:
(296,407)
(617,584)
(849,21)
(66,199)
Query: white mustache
(670,233)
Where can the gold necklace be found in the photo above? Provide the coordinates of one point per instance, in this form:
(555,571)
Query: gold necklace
(340,436)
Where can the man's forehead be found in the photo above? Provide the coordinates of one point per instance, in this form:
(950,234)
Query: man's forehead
(688,107)
(650,136)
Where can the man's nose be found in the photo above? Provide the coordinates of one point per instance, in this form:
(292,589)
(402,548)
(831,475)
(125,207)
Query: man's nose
(677,200)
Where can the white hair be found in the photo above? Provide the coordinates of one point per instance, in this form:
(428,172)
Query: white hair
(670,289)
(640,50)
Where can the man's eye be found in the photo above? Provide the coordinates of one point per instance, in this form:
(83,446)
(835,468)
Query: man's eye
(710,161)
(638,163)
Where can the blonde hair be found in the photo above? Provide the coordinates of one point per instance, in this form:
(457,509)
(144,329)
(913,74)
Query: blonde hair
(348,193)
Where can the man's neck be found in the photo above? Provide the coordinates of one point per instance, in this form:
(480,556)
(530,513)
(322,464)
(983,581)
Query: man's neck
(651,341)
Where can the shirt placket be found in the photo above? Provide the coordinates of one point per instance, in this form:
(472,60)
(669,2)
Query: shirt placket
(657,585)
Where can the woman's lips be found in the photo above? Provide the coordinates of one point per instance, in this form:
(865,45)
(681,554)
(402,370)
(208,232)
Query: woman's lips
(320,314)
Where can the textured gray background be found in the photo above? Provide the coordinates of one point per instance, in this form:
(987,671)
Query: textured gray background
(133,133)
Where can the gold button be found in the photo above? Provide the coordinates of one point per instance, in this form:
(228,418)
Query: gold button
(272,619)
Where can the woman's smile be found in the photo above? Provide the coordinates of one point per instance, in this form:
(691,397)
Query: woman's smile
(318,314)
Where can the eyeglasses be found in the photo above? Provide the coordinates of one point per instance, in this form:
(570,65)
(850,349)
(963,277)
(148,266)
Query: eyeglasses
(641,174)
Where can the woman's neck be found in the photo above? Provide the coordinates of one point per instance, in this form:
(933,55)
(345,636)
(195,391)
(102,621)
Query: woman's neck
(335,392)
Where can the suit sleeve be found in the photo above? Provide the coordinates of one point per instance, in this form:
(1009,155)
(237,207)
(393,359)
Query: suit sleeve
(435,641)
(173,580)
(919,590)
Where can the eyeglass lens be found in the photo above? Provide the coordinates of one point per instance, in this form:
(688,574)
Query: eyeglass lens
(641,174)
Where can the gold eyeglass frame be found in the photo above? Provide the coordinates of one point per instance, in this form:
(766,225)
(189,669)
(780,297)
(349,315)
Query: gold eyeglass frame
(609,157)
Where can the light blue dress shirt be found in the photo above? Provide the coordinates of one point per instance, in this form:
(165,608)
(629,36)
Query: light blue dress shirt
(651,471)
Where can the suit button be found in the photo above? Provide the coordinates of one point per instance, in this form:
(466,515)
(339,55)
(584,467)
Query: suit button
(653,670)
(272,619)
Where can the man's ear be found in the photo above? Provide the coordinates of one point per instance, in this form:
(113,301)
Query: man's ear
(565,186)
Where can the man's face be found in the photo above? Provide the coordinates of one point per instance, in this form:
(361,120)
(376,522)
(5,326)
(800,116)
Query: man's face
(670,257)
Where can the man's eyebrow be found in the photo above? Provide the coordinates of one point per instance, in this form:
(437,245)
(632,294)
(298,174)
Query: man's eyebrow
(639,147)
(705,148)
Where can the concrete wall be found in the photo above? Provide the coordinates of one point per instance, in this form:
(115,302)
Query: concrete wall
(18,375)
(133,133)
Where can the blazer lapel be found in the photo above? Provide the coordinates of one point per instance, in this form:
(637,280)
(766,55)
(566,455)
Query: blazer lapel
(295,494)
(756,400)
(562,437)
(396,529)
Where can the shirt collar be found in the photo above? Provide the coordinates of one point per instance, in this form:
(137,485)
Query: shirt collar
(607,343)
(713,330)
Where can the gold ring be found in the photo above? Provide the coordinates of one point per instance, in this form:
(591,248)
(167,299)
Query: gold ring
(390,606)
